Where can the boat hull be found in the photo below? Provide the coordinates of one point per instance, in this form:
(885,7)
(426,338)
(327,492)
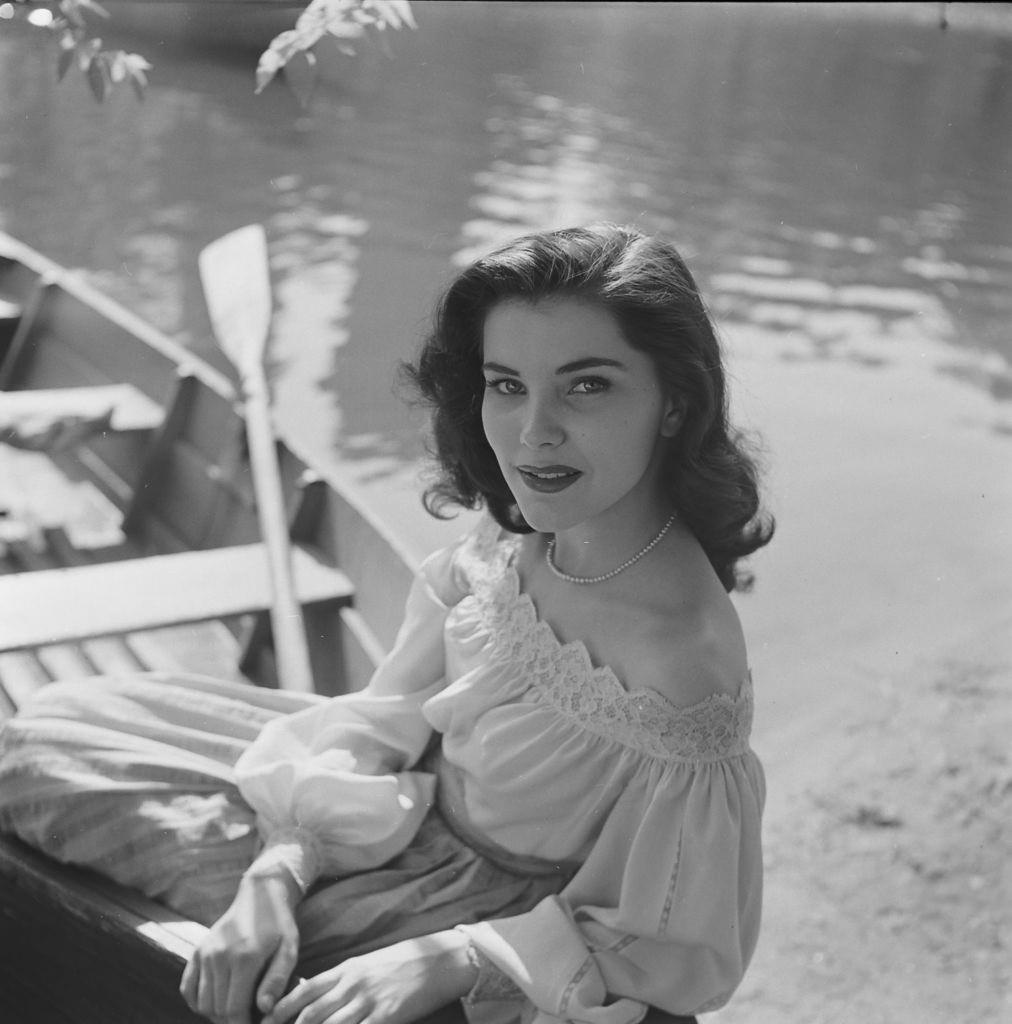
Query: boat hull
(77,947)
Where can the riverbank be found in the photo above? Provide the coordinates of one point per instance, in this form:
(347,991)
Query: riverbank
(887,870)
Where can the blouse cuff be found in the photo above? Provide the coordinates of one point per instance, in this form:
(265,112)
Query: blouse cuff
(491,983)
(294,849)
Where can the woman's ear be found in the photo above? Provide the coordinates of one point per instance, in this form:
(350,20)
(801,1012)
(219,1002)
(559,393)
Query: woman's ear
(673,416)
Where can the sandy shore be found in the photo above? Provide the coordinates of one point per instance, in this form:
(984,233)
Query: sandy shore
(888,870)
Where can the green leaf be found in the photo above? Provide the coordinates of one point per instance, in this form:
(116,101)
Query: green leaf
(139,83)
(117,66)
(342,20)
(391,13)
(63,63)
(275,57)
(71,10)
(137,65)
(301,76)
(74,10)
(98,77)
(87,51)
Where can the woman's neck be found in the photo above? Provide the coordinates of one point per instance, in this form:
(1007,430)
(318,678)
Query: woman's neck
(596,547)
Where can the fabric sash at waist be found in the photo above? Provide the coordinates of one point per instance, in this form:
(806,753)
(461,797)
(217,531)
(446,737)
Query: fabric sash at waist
(451,808)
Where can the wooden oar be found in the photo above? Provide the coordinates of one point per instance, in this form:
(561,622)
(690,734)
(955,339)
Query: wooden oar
(236,279)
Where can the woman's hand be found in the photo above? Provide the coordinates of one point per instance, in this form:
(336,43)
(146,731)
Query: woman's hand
(257,930)
(394,985)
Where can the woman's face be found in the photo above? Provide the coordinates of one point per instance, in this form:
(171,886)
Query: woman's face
(575,415)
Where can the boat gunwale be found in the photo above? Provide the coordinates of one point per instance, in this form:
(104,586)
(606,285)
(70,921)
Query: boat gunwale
(74,284)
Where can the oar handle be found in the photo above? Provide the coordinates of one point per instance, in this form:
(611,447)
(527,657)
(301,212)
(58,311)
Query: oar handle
(290,648)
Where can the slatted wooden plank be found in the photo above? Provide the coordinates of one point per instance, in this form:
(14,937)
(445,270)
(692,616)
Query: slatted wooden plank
(60,605)
(110,655)
(207,648)
(130,408)
(65,661)
(59,661)
(21,674)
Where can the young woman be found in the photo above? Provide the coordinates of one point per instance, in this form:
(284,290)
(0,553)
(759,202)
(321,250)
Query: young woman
(545,802)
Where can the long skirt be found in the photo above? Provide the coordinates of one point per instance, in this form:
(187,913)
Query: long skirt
(133,776)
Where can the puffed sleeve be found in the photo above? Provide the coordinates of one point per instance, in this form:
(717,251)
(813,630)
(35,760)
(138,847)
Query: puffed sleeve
(333,785)
(664,912)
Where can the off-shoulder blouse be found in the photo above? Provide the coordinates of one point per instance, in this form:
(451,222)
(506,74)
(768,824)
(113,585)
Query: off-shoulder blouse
(659,805)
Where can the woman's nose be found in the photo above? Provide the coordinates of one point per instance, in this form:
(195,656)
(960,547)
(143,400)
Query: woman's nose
(542,428)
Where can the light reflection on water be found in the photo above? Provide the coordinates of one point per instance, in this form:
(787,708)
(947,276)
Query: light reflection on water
(837,176)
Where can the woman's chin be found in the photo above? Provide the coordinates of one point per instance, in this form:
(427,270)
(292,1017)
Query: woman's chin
(542,518)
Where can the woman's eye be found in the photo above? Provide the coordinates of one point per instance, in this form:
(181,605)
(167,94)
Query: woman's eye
(504,386)
(590,386)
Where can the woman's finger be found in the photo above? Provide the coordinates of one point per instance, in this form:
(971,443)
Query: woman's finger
(205,992)
(188,983)
(290,1004)
(279,970)
(307,992)
(353,1013)
(224,978)
(334,1008)
(239,993)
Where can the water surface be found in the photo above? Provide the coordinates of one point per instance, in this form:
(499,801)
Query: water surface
(836,174)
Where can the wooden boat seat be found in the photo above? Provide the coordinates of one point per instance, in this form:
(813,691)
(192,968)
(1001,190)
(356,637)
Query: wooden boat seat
(51,606)
(32,417)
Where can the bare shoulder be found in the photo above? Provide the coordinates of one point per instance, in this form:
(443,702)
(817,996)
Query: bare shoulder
(692,644)
(670,628)
(698,656)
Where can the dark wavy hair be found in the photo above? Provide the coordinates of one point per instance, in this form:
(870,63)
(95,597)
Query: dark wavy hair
(643,282)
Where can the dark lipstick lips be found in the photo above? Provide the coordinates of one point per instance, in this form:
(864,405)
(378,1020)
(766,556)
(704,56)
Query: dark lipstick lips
(549,479)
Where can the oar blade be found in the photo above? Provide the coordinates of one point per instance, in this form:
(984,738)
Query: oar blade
(235,274)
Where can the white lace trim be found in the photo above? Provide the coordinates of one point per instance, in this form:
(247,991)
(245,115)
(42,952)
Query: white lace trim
(294,848)
(491,983)
(564,676)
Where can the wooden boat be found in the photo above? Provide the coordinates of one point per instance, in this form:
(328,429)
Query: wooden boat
(163,568)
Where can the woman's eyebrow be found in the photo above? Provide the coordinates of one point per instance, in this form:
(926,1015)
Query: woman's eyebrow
(589,362)
(573,367)
(499,368)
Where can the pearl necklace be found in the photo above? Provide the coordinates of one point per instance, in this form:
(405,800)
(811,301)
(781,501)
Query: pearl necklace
(550,551)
